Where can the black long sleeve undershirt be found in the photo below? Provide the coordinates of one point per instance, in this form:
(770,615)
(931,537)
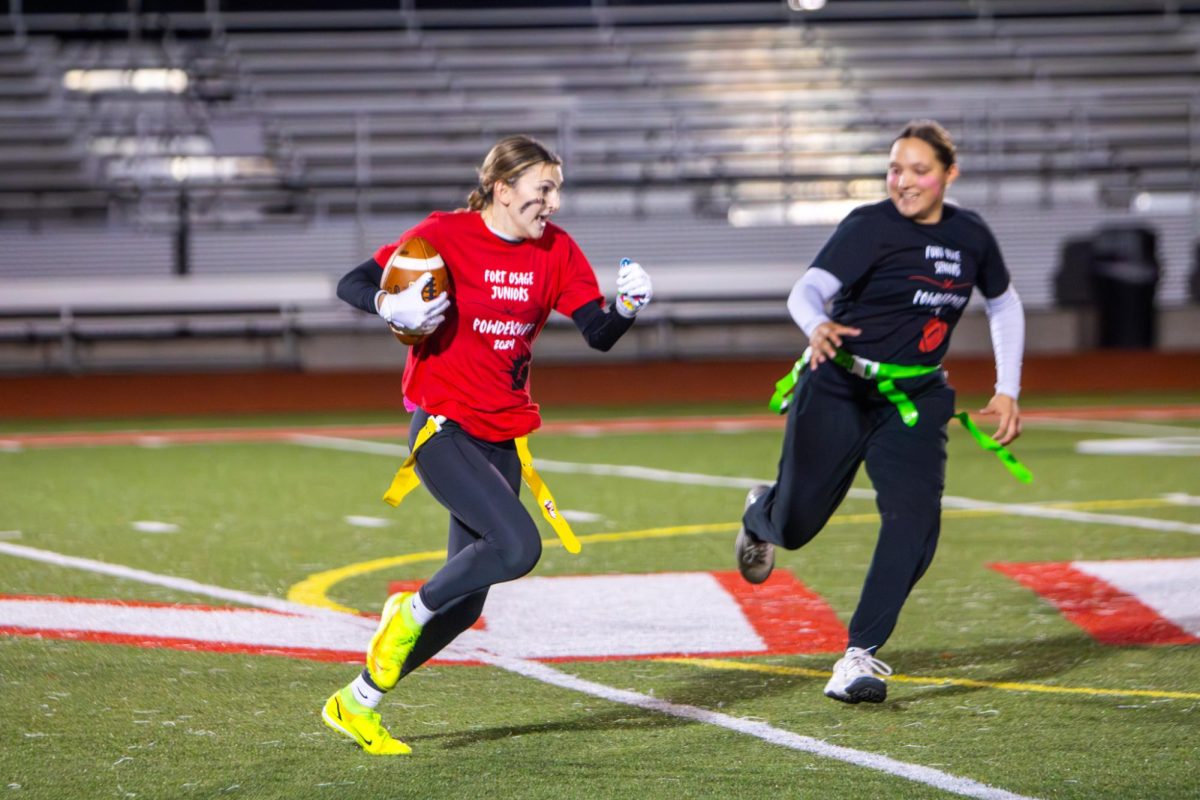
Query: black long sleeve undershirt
(601,328)
(359,286)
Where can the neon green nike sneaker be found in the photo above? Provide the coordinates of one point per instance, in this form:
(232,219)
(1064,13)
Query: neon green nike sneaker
(392,642)
(351,718)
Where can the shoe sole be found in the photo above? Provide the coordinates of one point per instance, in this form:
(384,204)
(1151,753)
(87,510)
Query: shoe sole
(760,573)
(863,690)
(336,727)
(332,723)
(751,574)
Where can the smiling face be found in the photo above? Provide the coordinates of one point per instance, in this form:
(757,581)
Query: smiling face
(917,180)
(521,209)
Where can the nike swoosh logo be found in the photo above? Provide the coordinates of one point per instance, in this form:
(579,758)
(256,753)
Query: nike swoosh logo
(366,740)
(337,705)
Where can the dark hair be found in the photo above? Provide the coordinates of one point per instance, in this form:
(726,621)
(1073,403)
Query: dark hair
(507,159)
(934,135)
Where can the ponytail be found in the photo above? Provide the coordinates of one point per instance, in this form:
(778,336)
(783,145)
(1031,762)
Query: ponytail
(506,161)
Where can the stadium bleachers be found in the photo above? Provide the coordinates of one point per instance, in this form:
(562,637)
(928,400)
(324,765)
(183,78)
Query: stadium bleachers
(1109,94)
(321,128)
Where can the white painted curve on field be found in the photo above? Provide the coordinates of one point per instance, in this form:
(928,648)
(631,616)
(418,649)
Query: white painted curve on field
(534,670)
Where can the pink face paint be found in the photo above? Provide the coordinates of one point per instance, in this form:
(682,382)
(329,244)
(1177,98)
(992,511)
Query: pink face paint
(929,181)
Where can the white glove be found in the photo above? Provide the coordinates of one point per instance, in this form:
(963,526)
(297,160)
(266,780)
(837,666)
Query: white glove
(406,312)
(633,288)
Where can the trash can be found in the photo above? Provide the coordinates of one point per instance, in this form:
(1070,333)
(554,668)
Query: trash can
(1073,280)
(1124,278)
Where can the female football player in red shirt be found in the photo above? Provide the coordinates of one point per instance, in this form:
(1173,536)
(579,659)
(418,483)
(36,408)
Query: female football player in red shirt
(467,382)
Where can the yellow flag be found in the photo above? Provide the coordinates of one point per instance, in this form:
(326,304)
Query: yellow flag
(406,477)
(545,500)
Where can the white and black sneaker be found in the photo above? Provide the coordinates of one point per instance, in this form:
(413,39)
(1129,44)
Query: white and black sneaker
(755,558)
(858,677)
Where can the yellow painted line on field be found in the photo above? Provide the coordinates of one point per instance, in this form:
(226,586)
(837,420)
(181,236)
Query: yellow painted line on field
(657,533)
(1009,686)
(314,590)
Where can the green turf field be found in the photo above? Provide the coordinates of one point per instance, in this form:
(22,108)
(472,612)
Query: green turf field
(995,685)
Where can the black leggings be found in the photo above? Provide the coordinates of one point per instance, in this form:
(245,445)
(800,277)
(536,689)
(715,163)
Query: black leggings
(492,538)
(835,423)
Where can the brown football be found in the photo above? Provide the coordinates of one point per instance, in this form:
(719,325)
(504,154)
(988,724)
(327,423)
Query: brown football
(412,259)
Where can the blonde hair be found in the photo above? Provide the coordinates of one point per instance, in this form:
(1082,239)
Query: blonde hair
(934,135)
(506,161)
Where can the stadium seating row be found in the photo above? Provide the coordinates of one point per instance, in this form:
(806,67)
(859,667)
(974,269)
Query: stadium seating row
(1109,95)
(303,140)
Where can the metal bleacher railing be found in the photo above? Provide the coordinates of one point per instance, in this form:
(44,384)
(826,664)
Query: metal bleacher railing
(337,126)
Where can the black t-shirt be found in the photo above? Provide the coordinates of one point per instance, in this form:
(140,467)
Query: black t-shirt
(906,284)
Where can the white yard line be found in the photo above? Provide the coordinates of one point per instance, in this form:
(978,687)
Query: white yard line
(349,445)
(1022,510)
(1105,426)
(730,482)
(760,730)
(563,467)
(647,474)
(1182,499)
(540,672)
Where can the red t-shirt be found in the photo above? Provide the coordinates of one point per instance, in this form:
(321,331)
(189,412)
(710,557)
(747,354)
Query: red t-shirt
(474,368)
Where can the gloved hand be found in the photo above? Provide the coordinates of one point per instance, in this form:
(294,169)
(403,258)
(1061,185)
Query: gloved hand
(633,288)
(406,312)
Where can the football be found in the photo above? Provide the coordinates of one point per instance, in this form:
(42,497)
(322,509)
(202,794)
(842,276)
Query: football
(411,260)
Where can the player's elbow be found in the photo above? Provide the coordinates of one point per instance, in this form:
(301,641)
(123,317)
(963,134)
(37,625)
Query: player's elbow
(601,344)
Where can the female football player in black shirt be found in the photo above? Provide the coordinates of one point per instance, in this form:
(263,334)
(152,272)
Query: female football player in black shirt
(898,273)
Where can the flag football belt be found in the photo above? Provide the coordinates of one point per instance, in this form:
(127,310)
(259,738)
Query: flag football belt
(406,480)
(885,377)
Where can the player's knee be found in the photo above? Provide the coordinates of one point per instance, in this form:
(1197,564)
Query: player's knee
(520,553)
(800,529)
(922,513)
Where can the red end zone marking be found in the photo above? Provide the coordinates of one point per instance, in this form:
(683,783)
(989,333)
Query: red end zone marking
(391,431)
(789,616)
(721,616)
(1107,614)
(191,645)
(168,641)
(399,430)
(96,601)
(1116,414)
(198,436)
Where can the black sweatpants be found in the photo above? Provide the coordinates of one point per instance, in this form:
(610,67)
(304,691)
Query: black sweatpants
(835,423)
(492,538)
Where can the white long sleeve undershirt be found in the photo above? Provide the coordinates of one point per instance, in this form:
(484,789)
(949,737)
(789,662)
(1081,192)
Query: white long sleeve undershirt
(1006,321)
(809,297)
